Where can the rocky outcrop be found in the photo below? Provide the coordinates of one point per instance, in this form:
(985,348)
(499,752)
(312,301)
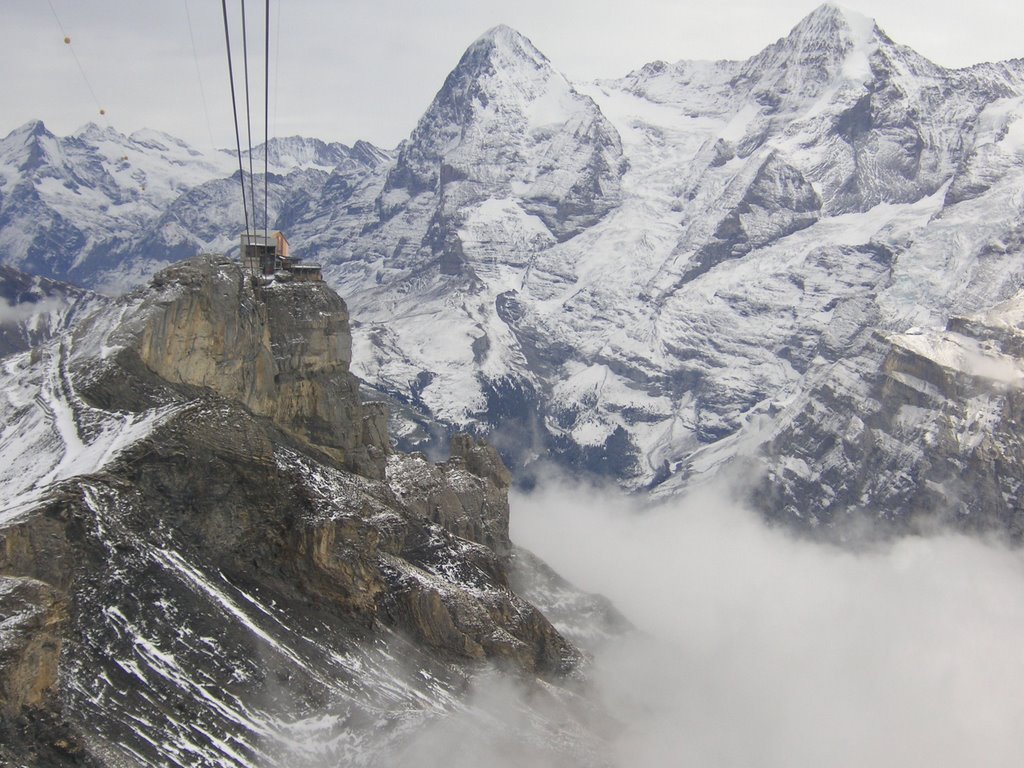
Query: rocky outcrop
(34,620)
(250,565)
(282,349)
(452,495)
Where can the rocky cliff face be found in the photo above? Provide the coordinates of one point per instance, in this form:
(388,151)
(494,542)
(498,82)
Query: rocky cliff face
(925,428)
(224,563)
(283,350)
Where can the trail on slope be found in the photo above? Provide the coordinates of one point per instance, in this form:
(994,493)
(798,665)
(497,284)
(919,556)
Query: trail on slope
(50,433)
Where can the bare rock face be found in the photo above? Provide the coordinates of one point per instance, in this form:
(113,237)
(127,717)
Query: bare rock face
(237,558)
(467,495)
(35,618)
(283,350)
(481,459)
(30,640)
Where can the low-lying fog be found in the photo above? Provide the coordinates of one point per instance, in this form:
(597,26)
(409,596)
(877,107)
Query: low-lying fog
(763,650)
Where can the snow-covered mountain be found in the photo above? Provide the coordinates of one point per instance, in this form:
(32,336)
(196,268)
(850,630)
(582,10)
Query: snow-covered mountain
(764,217)
(290,152)
(919,428)
(68,205)
(108,210)
(646,277)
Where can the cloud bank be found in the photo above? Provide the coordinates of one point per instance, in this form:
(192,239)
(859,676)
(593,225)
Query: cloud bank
(11,313)
(757,648)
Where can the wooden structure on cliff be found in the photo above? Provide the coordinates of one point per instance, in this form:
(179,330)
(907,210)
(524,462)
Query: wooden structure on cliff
(268,255)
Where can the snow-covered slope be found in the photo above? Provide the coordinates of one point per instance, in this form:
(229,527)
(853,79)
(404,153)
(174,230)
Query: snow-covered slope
(506,123)
(291,152)
(68,202)
(49,433)
(33,309)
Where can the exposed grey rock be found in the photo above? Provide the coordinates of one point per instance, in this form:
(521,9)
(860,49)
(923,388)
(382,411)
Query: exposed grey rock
(923,429)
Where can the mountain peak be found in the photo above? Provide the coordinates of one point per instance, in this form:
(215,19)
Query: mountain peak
(29,129)
(501,31)
(93,132)
(831,42)
(28,146)
(831,21)
(503,45)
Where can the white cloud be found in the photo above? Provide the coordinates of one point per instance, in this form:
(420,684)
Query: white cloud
(761,649)
(16,313)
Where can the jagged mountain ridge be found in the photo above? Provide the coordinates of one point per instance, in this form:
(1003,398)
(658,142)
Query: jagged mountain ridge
(108,210)
(70,200)
(291,152)
(210,555)
(639,276)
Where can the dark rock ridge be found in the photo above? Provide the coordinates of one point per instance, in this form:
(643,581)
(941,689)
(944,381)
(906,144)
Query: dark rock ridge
(248,574)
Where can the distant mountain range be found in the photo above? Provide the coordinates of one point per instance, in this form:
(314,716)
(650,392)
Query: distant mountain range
(804,266)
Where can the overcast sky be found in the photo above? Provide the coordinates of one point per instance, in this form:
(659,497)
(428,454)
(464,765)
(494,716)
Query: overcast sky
(350,69)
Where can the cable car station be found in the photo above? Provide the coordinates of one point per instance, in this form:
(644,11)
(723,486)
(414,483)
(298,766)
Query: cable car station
(268,255)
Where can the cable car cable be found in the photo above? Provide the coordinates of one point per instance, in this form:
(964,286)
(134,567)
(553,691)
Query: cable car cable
(266,125)
(234,109)
(248,115)
(67,42)
(277,63)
